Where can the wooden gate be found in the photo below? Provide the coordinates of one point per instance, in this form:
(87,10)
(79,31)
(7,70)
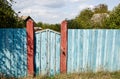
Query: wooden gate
(47,52)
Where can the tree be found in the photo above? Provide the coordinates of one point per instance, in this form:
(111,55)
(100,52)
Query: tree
(99,17)
(55,27)
(84,18)
(74,24)
(101,8)
(8,17)
(113,21)
(39,24)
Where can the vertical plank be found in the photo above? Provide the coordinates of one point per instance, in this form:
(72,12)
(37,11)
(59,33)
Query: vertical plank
(85,50)
(75,51)
(72,52)
(99,42)
(40,50)
(43,53)
(57,54)
(52,64)
(103,49)
(69,63)
(109,50)
(90,53)
(37,53)
(7,52)
(47,52)
(78,52)
(24,41)
(15,52)
(19,53)
(81,50)
(113,50)
(1,46)
(118,49)
(95,49)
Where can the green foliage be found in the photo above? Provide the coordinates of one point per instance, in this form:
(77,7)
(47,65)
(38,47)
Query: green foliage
(74,24)
(113,21)
(103,19)
(84,18)
(82,21)
(101,8)
(8,17)
(55,27)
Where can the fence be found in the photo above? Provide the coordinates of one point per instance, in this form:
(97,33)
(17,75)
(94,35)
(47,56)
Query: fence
(17,50)
(13,53)
(25,52)
(93,50)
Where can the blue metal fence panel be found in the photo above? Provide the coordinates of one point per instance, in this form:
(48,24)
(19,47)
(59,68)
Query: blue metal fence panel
(13,53)
(93,50)
(47,52)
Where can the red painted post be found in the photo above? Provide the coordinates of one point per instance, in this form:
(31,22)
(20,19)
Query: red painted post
(63,47)
(30,46)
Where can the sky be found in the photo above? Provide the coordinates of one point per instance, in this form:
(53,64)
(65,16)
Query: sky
(55,11)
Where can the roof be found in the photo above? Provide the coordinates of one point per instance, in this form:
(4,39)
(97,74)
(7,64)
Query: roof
(37,28)
(25,18)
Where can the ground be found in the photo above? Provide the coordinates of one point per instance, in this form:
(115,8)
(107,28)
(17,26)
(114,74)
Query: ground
(88,75)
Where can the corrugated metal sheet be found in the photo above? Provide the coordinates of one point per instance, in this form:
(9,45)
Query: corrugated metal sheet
(93,50)
(13,53)
(47,56)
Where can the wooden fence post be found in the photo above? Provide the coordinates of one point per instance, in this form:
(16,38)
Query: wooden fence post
(63,47)
(30,46)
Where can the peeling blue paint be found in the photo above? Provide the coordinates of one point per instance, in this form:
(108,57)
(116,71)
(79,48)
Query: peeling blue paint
(93,50)
(47,54)
(13,52)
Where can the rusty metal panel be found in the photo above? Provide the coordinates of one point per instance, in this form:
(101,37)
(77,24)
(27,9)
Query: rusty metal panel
(13,53)
(93,50)
(47,52)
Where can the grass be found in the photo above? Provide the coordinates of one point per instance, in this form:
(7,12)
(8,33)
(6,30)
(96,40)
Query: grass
(89,75)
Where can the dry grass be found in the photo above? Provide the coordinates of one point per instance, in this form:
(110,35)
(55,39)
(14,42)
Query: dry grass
(89,75)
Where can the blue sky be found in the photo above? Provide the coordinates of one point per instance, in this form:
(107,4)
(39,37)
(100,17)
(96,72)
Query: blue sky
(54,11)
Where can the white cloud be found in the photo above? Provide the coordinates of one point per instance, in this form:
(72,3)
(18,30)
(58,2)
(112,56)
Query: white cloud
(74,1)
(73,14)
(27,11)
(41,10)
(83,6)
(49,11)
